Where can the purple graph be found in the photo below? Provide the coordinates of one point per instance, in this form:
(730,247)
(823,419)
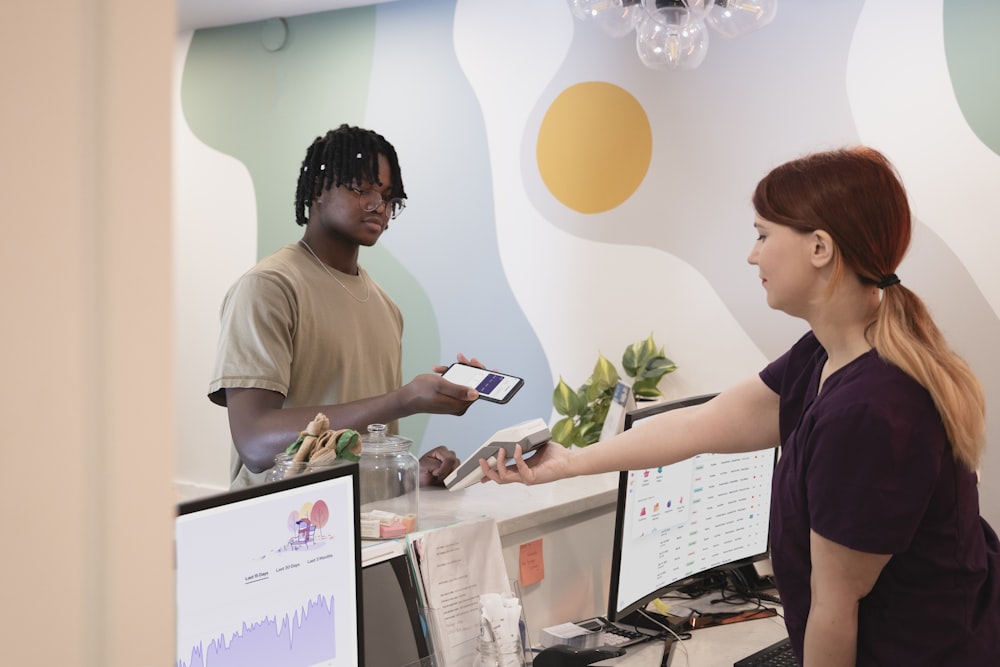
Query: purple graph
(306,638)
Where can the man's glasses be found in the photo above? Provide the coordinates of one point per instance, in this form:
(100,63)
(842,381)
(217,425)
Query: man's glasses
(370,200)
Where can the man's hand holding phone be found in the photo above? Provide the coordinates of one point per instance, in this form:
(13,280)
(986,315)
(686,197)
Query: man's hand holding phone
(491,385)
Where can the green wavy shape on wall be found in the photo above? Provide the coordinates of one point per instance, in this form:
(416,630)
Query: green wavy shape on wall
(264,107)
(972,51)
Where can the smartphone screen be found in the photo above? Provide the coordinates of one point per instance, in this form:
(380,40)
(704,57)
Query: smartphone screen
(491,385)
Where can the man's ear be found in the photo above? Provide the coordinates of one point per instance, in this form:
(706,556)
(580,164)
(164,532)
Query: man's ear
(823,250)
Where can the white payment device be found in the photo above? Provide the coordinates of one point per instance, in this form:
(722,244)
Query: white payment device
(531,435)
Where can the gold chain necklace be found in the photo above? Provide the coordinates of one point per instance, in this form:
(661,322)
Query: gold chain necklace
(368,288)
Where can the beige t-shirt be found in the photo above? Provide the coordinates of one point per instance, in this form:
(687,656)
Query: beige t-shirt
(289,326)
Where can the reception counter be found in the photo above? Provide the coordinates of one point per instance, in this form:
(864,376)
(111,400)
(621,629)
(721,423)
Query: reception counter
(575,521)
(573,518)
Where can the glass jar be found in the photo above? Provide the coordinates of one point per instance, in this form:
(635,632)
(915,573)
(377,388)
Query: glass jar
(390,479)
(286,466)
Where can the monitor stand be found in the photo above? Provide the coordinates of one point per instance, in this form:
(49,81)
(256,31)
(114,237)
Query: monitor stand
(650,619)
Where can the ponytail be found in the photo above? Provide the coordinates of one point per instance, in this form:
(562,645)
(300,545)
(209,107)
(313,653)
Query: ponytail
(905,335)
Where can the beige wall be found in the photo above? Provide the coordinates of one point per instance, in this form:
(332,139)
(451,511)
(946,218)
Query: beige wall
(87,421)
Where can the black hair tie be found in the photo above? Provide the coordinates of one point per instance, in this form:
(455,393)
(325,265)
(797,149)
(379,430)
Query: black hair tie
(888,281)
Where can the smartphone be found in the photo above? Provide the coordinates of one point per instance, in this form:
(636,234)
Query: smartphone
(491,385)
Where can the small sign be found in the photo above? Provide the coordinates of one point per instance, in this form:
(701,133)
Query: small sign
(532,568)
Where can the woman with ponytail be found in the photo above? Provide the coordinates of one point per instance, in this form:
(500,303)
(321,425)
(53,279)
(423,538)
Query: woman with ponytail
(878,548)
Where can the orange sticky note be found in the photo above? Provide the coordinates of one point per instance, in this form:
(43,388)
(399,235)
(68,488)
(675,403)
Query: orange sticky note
(532,563)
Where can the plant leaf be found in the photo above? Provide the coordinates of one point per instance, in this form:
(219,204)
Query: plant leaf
(637,356)
(599,409)
(565,400)
(590,433)
(630,360)
(564,432)
(657,367)
(605,375)
(586,409)
(646,388)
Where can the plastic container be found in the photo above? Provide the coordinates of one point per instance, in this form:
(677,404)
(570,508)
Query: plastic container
(390,481)
(499,653)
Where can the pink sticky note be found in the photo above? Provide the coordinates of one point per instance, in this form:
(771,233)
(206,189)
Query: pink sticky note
(532,563)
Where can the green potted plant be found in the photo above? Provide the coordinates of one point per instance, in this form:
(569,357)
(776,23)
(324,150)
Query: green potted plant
(585,409)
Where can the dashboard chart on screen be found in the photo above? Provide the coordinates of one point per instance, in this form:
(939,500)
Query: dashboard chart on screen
(271,575)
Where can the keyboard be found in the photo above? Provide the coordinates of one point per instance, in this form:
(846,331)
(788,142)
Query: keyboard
(778,654)
(619,637)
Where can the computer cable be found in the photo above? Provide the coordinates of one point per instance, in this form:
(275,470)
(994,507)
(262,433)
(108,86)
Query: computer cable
(670,639)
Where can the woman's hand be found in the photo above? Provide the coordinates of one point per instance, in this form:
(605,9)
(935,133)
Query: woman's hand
(549,462)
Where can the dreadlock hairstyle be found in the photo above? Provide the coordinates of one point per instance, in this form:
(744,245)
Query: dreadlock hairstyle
(344,156)
(856,196)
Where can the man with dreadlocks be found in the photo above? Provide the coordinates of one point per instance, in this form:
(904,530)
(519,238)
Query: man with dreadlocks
(307,330)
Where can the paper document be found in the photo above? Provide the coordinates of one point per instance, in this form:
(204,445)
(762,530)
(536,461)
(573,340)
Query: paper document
(457,564)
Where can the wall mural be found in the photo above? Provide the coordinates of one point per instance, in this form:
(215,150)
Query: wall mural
(565,200)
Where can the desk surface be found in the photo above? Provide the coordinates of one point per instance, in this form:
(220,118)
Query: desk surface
(718,646)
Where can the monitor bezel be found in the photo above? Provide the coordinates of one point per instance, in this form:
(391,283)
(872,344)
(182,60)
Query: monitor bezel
(613,614)
(344,469)
(402,570)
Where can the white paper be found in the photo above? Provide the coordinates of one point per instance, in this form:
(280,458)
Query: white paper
(458,563)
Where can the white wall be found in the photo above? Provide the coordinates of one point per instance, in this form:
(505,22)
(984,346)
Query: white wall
(670,260)
(214,240)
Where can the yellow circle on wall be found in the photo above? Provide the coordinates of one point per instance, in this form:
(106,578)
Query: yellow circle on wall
(594,146)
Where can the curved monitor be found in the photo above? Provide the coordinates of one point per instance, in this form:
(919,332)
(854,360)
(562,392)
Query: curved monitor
(676,522)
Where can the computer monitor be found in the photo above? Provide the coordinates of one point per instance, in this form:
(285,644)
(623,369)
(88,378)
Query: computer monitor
(676,522)
(395,633)
(271,575)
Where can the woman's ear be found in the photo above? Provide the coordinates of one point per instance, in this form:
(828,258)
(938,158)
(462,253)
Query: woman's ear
(823,250)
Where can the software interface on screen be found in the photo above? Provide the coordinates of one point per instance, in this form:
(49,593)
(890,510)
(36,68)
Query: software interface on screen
(270,580)
(685,518)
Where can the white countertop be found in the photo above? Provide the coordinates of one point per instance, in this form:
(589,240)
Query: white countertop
(517,507)
(711,647)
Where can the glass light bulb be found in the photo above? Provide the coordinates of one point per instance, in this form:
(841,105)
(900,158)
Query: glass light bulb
(733,18)
(671,47)
(621,19)
(586,9)
(677,12)
(616,18)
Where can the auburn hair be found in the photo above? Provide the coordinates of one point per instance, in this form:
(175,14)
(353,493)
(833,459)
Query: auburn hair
(856,196)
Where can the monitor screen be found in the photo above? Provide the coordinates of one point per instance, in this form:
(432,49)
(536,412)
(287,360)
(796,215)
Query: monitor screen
(271,575)
(677,521)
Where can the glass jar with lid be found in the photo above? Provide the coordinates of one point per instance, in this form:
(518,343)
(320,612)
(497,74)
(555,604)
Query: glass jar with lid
(390,480)
(285,465)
